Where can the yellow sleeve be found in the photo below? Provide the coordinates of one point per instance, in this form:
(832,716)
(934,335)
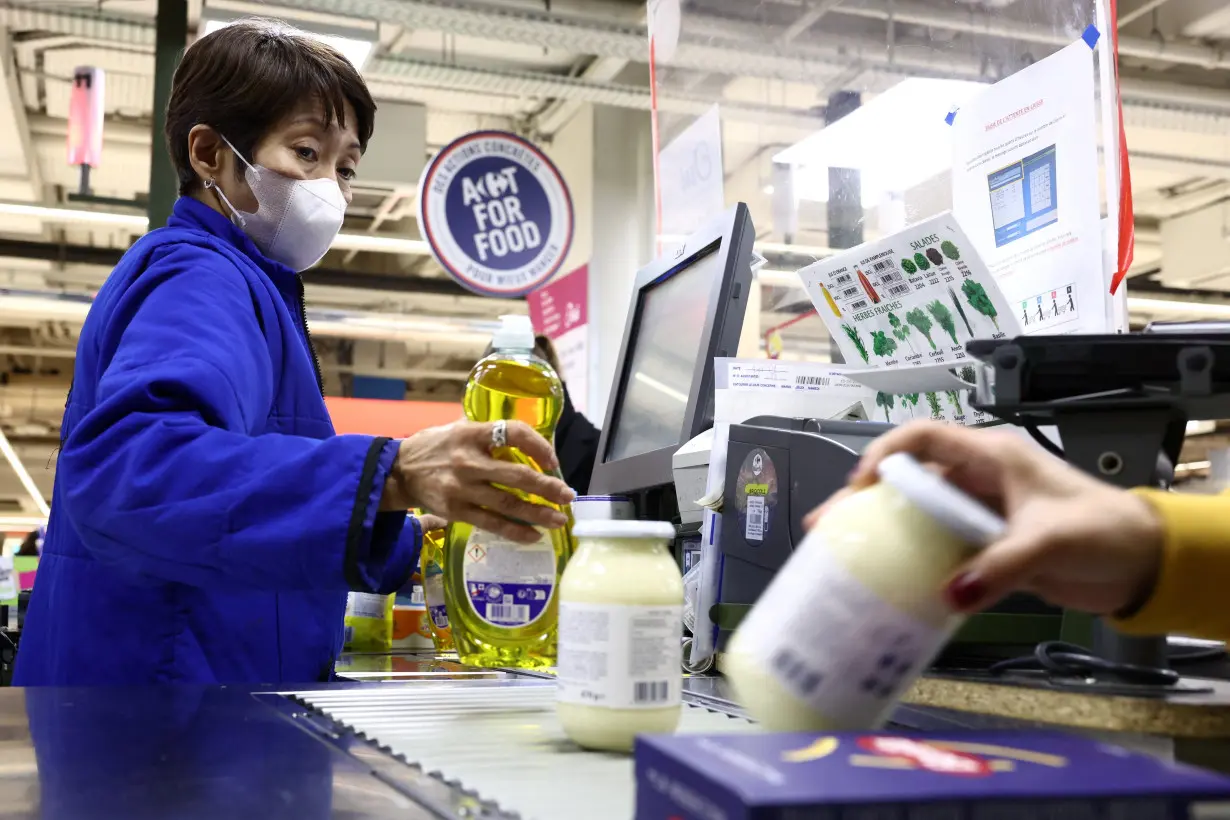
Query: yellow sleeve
(1190,596)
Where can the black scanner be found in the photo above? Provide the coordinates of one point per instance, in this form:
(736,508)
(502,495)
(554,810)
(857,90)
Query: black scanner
(777,471)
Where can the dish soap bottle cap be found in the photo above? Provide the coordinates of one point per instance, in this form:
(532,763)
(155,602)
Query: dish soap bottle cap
(516,332)
(939,499)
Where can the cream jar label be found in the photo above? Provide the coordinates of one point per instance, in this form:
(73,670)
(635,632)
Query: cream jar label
(620,657)
(835,644)
(508,584)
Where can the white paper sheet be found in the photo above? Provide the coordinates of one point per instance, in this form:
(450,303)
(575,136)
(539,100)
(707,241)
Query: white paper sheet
(1025,188)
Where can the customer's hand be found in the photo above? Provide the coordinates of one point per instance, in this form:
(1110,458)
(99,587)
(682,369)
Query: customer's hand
(1071,539)
(449,472)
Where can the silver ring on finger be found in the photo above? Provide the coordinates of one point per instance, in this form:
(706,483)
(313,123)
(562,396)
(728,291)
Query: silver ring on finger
(499,435)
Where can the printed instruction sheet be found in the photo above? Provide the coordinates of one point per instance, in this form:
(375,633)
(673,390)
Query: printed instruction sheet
(1025,188)
(911,299)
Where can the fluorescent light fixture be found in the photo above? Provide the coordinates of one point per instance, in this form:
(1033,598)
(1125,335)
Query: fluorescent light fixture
(32,489)
(74,216)
(1200,310)
(897,139)
(380,244)
(21,523)
(1200,428)
(355,44)
(779,278)
(139,223)
(817,251)
(1193,465)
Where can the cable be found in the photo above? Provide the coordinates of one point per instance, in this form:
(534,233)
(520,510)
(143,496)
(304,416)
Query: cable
(1069,660)
(1036,434)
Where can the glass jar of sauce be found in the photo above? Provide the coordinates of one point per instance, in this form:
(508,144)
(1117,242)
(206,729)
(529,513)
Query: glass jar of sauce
(858,612)
(620,629)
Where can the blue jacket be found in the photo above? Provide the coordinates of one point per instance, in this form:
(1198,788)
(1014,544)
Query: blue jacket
(206,522)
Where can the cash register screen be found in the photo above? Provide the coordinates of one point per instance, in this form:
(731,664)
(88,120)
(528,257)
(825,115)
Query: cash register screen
(658,379)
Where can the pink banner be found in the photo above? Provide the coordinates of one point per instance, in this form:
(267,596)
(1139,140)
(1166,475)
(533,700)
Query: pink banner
(560,311)
(561,305)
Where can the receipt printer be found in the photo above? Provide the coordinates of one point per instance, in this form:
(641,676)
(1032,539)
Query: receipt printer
(777,471)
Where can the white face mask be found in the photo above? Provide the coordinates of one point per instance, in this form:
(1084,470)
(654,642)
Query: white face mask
(296,219)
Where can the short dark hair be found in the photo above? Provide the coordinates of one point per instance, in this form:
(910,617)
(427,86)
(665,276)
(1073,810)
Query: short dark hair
(245,78)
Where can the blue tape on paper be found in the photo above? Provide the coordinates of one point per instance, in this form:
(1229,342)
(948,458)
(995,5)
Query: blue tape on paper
(952,117)
(1091,36)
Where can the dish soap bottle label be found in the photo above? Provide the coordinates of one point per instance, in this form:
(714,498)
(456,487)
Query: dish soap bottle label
(508,584)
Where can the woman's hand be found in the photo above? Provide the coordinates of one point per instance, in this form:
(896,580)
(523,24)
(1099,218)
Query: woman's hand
(1071,539)
(449,472)
(431,523)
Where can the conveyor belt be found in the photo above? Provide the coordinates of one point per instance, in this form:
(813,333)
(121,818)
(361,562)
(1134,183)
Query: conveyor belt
(500,742)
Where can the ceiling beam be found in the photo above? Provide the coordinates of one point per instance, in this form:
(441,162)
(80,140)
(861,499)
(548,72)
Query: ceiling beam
(109,257)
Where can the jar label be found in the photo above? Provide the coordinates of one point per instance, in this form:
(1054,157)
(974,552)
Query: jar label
(834,643)
(508,584)
(620,657)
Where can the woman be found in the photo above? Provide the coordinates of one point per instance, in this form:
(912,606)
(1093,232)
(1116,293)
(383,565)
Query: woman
(206,522)
(576,439)
(1155,562)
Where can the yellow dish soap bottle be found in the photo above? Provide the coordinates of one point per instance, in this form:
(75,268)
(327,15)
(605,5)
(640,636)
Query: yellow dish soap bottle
(432,562)
(502,596)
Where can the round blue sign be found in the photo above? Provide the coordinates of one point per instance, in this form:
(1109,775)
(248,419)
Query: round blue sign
(496,213)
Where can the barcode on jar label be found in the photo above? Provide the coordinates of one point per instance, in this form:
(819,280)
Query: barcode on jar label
(508,613)
(796,671)
(651,692)
(620,656)
(818,381)
(754,531)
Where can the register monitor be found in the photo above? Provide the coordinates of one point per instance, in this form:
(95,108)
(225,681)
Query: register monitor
(686,309)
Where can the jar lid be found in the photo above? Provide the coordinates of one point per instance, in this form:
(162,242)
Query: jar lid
(612,528)
(966,517)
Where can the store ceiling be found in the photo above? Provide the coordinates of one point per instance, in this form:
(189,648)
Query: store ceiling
(529,66)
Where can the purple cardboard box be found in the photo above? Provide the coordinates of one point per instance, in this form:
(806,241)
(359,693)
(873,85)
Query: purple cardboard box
(881,776)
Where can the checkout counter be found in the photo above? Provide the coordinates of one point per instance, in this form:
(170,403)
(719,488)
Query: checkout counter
(416,736)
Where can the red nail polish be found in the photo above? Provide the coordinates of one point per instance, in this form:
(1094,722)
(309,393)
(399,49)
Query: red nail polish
(965,592)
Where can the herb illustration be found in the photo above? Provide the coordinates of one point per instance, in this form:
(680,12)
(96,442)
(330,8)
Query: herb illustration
(977,297)
(852,335)
(935,256)
(882,345)
(921,261)
(937,412)
(943,317)
(960,311)
(967,375)
(901,330)
(910,401)
(921,323)
(954,398)
(950,250)
(909,267)
(886,401)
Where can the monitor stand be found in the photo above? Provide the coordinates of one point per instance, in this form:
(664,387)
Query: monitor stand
(1128,437)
